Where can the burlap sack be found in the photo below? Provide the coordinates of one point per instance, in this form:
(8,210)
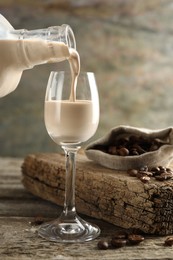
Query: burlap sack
(161,156)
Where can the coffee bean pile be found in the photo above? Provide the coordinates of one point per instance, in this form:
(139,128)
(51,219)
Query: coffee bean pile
(160,173)
(134,145)
(120,240)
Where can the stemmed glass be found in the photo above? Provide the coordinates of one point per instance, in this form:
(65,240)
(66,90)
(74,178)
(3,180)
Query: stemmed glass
(70,123)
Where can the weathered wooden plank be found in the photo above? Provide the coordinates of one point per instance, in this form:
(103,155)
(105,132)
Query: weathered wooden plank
(28,208)
(106,194)
(14,199)
(19,241)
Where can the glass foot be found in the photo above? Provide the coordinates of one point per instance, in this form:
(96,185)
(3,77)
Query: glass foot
(77,230)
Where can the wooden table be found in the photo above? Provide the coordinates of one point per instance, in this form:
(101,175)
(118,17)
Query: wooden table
(19,239)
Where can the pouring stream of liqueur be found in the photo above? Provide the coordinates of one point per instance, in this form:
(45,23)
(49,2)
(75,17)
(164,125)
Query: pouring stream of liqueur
(74,61)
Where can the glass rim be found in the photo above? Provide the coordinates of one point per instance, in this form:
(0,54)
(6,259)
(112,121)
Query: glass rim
(69,72)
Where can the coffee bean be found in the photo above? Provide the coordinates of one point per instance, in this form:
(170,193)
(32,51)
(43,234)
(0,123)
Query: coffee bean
(117,243)
(144,168)
(149,174)
(134,152)
(135,239)
(145,179)
(155,169)
(162,168)
(163,177)
(139,174)
(160,177)
(123,151)
(169,241)
(38,220)
(132,172)
(169,170)
(119,235)
(103,244)
(139,149)
(168,175)
(143,173)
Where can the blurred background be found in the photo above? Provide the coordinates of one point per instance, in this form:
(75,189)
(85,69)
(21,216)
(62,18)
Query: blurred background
(127,43)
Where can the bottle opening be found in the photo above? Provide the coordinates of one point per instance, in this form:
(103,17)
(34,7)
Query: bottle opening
(70,39)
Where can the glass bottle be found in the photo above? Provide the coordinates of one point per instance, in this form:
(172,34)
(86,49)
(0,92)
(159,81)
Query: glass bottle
(23,49)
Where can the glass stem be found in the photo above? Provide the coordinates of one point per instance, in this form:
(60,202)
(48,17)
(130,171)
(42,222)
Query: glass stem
(69,203)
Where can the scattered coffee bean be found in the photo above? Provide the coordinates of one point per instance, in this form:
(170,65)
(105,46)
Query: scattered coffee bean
(155,170)
(144,168)
(162,168)
(169,170)
(160,173)
(149,174)
(119,235)
(145,179)
(146,173)
(163,177)
(132,172)
(103,244)
(38,220)
(120,239)
(135,239)
(142,173)
(169,241)
(117,243)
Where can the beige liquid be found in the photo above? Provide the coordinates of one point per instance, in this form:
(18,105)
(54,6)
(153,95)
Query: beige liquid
(74,61)
(71,122)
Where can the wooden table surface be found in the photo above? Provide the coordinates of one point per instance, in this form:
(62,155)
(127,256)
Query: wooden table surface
(19,239)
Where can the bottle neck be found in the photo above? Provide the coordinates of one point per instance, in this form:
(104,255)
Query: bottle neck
(61,33)
(40,46)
